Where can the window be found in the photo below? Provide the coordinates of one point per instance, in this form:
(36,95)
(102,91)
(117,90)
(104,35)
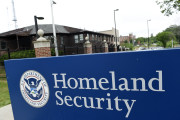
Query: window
(3,45)
(107,39)
(51,38)
(99,39)
(81,37)
(92,37)
(76,39)
(104,38)
(96,37)
(62,40)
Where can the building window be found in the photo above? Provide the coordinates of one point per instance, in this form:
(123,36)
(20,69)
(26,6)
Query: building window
(92,37)
(62,40)
(51,38)
(96,37)
(104,38)
(3,45)
(107,39)
(81,37)
(99,39)
(76,39)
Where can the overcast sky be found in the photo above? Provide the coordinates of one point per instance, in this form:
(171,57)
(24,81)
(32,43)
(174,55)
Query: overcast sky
(95,15)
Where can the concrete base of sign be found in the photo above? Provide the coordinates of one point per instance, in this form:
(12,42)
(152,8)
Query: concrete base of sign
(6,113)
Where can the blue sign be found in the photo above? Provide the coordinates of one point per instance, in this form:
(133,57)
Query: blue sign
(111,86)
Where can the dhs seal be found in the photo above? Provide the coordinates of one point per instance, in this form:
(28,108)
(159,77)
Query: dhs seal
(34,88)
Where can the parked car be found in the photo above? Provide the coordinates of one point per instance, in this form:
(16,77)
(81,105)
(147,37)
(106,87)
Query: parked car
(141,48)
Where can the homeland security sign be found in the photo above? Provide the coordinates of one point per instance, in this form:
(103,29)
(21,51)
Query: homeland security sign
(118,86)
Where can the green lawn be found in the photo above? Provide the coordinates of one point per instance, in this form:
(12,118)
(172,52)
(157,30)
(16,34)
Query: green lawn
(2,75)
(2,71)
(4,92)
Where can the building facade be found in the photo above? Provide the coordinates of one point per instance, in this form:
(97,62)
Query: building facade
(127,38)
(114,33)
(67,37)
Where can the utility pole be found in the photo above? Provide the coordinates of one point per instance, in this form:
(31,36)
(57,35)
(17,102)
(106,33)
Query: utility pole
(14,15)
(54,32)
(115,25)
(148,31)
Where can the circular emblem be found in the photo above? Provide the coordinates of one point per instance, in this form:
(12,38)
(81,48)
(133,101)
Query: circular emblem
(34,88)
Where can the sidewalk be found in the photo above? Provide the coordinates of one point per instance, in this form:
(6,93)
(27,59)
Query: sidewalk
(6,113)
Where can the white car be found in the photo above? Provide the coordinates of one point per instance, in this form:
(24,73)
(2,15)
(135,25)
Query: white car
(141,48)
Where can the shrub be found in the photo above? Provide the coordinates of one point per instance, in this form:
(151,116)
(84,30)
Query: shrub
(24,54)
(18,55)
(54,54)
(128,45)
(169,44)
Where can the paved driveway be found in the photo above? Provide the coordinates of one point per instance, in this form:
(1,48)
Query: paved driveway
(6,113)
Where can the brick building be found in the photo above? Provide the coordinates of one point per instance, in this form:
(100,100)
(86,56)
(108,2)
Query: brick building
(127,38)
(22,39)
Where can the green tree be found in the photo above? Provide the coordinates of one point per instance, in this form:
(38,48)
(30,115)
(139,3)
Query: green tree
(164,37)
(128,45)
(141,40)
(168,7)
(152,39)
(169,43)
(176,30)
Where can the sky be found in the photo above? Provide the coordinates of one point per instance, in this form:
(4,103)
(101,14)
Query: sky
(94,15)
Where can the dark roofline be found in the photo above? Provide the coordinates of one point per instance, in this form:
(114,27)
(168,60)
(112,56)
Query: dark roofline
(30,30)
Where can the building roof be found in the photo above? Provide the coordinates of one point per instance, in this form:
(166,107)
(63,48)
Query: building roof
(47,28)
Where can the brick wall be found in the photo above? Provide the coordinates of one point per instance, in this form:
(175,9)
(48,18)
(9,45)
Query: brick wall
(43,52)
(88,50)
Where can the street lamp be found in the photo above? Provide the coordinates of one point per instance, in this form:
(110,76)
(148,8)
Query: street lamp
(115,25)
(54,32)
(148,31)
(35,20)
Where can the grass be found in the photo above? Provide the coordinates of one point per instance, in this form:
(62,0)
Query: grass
(2,74)
(4,92)
(2,71)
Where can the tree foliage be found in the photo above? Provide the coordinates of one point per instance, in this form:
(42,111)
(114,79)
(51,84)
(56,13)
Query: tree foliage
(164,37)
(176,30)
(141,40)
(128,45)
(168,7)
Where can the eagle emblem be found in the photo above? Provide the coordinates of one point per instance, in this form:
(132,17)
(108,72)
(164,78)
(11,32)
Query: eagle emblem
(34,88)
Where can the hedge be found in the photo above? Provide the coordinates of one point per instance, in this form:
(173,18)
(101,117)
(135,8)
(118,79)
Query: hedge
(18,55)
(24,54)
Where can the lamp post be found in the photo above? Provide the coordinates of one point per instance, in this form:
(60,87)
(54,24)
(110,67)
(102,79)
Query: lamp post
(148,31)
(35,20)
(115,25)
(54,32)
